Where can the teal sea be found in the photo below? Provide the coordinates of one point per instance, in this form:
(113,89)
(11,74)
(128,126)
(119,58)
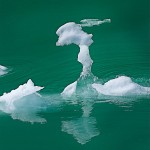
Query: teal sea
(28,49)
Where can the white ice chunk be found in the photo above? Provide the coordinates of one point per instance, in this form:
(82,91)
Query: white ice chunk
(121,86)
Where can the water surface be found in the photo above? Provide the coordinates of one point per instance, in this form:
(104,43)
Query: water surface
(28,49)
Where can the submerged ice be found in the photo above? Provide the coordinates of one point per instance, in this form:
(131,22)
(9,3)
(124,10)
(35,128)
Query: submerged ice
(3,70)
(72,33)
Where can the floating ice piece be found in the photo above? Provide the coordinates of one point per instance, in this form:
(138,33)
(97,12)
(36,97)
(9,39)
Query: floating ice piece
(121,86)
(23,90)
(93,22)
(70,89)
(23,103)
(72,33)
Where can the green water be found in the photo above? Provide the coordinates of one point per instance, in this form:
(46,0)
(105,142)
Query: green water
(28,49)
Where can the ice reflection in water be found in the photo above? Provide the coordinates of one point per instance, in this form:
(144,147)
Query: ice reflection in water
(83,129)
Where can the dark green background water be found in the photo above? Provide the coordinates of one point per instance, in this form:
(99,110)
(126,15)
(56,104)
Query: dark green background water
(28,47)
